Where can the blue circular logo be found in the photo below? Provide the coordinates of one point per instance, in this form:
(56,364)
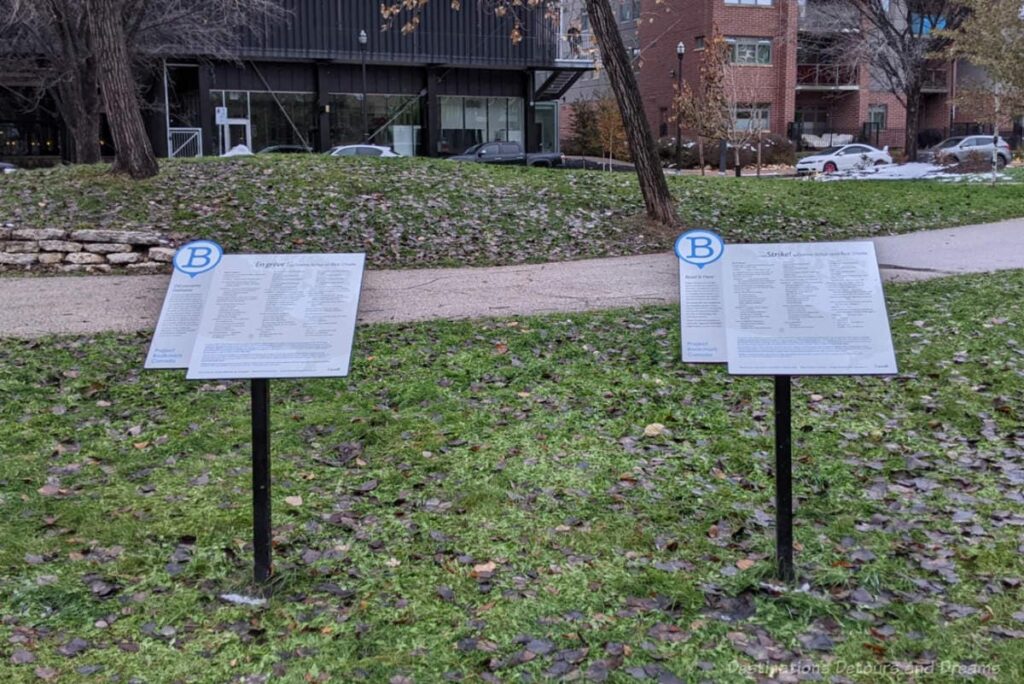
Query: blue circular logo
(699,247)
(198,257)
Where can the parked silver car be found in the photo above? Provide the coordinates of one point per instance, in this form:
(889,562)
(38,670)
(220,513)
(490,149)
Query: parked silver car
(7,168)
(959,149)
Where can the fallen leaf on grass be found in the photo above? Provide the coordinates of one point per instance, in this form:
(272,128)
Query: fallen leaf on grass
(654,430)
(47,674)
(483,568)
(293,500)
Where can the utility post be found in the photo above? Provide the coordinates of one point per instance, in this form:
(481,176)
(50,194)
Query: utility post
(680,51)
(363,40)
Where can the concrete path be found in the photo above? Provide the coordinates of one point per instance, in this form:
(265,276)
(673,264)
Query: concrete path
(33,307)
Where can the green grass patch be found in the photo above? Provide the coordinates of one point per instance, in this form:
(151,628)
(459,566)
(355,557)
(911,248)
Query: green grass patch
(479,502)
(408,213)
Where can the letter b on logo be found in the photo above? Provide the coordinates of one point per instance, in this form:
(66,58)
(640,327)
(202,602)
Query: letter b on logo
(699,247)
(198,257)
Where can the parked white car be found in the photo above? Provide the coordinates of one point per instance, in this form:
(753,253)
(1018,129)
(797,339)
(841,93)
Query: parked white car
(363,151)
(960,149)
(7,168)
(843,158)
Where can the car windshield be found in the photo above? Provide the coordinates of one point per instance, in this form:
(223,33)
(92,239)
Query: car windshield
(473,149)
(949,142)
(831,150)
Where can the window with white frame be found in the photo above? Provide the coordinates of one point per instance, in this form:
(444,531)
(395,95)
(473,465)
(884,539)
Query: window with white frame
(751,117)
(878,116)
(750,51)
(759,3)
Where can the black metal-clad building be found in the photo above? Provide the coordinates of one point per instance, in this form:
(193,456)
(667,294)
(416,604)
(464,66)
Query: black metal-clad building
(309,81)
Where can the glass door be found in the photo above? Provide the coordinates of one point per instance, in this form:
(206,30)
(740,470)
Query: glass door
(546,119)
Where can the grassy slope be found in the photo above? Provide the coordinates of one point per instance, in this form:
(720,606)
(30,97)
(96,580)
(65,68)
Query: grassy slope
(418,212)
(521,443)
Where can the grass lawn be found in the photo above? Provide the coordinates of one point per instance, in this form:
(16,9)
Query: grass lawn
(420,213)
(495,501)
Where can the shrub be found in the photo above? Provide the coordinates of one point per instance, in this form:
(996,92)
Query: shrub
(775,150)
(975,162)
(586,136)
(688,152)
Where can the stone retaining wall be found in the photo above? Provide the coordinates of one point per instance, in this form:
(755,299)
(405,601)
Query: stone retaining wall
(90,251)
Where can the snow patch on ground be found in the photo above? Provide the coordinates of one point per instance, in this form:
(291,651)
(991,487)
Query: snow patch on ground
(909,171)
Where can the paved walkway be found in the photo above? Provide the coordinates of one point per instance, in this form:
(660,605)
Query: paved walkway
(33,307)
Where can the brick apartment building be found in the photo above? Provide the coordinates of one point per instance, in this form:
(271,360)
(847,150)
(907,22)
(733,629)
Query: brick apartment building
(782,80)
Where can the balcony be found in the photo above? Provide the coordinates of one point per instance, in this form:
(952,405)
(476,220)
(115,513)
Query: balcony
(577,48)
(935,81)
(826,77)
(827,17)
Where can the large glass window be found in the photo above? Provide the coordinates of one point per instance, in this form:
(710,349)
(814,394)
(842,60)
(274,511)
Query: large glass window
(29,139)
(468,121)
(237,102)
(751,117)
(878,116)
(288,120)
(393,121)
(274,119)
(750,50)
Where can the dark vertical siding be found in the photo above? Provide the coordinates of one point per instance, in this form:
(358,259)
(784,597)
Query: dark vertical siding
(329,29)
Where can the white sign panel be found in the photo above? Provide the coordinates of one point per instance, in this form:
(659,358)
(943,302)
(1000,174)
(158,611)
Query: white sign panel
(701,312)
(279,316)
(806,309)
(221,115)
(183,305)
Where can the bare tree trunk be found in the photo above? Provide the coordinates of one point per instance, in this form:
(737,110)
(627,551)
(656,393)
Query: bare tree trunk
(86,137)
(700,153)
(913,96)
(84,127)
(134,151)
(759,145)
(657,198)
(736,161)
(78,101)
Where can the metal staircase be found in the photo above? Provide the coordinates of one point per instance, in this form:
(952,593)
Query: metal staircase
(557,84)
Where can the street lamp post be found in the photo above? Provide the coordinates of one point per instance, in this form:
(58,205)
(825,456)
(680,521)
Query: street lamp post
(680,51)
(363,40)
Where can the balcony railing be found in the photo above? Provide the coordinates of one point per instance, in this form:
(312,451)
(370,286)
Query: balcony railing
(826,77)
(935,81)
(828,17)
(579,46)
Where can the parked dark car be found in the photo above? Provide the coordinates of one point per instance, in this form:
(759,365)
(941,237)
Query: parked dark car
(286,149)
(508,153)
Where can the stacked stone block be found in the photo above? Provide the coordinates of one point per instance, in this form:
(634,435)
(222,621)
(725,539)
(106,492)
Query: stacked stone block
(90,251)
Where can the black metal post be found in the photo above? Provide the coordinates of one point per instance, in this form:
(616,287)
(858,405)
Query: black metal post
(362,49)
(783,479)
(679,119)
(260,390)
